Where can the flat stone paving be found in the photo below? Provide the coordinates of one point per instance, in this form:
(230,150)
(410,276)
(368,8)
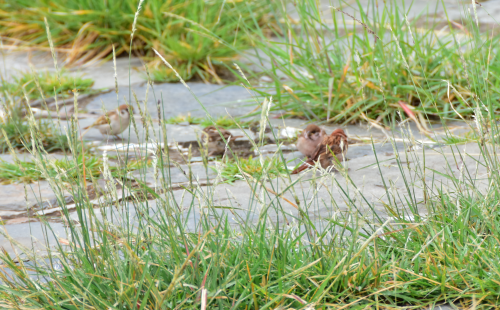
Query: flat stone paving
(321,196)
(176,100)
(101,72)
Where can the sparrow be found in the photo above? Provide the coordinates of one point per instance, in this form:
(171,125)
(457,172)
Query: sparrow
(309,139)
(334,145)
(214,142)
(113,122)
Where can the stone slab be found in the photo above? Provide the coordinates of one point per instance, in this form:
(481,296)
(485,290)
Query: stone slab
(101,72)
(196,173)
(176,100)
(27,239)
(27,157)
(20,197)
(321,196)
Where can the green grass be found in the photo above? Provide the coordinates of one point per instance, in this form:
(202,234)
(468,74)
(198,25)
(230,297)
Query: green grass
(67,170)
(186,32)
(183,119)
(49,85)
(222,121)
(349,76)
(237,170)
(226,122)
(20,134)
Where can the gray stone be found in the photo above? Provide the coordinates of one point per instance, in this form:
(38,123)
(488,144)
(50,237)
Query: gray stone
(321,195)
(273,148)
(20,220)
(20,197)
(10,214)
(27,157)
(30,238)
(177,99)
(196,173)
(101,72)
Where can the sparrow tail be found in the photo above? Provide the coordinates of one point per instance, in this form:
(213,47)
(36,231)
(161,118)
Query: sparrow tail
(303,167)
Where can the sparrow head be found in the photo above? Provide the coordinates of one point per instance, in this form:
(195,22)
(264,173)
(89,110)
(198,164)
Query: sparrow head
(311,130)
(125,109)
(338,132)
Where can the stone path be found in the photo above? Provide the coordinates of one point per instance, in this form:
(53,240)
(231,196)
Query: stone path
(102,73)
(326,191)
(176,100)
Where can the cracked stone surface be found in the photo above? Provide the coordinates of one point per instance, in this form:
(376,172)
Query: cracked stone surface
(18,197)
(320,196)
(326,191)
(101,72)
(176,99)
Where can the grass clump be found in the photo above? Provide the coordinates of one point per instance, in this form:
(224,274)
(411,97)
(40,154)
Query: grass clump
(298,260)
(21,136)
(67,170)
(226,122)
(191,120)
(195,36)
(233,170)
(50,86)
(348,75)
(221,121)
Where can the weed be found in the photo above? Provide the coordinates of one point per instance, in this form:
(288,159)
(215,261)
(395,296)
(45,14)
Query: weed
(222,121)
(66,170)
(347,75)
(20,135)
(196,35)
(226,122)
(232,169)
(49,85)
(183,119)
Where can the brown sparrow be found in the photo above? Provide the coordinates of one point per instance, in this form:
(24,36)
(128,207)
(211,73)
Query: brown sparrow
(333,145)
(113,122)
(213,140)
(309,139)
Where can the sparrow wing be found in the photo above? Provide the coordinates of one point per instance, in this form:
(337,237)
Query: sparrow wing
(320,148)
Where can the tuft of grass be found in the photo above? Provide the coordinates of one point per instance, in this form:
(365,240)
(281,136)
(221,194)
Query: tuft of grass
(227,122)
(19,134)
(184,118)
(222,121)
(232,169)
(451,140)
(195,35)
(348,75)
(49,85)
(67,170)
